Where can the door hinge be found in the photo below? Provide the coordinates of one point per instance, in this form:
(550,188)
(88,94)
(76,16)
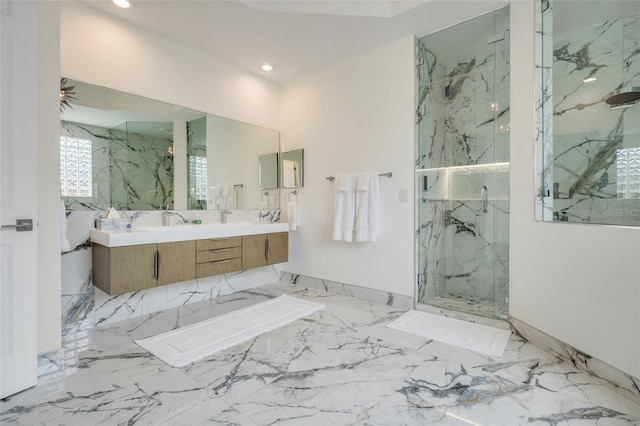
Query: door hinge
(421,279)
(420,62)
(422,110)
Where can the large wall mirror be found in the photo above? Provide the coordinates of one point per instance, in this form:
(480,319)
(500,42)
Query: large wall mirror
(132,153)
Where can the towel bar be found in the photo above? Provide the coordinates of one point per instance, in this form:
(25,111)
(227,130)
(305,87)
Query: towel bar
(388,174)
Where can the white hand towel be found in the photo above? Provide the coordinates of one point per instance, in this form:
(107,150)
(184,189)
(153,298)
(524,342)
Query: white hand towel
(231,197)
(65,246)
(293,214)
(344,214)
(367,207)
(223,195)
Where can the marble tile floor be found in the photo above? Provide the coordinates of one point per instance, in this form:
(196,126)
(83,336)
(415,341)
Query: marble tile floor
(338,366)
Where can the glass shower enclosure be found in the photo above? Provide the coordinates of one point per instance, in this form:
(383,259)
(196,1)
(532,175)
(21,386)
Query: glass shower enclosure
(462,167)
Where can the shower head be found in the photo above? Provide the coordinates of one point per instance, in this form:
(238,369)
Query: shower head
(624,97)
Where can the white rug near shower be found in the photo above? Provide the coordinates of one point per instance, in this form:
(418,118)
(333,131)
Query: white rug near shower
(475,337)
(188,344)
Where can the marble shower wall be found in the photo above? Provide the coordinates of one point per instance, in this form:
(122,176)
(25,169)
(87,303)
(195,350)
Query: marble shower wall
(585,164)
(142,166)
(463,126)
(132,170)
(84,306)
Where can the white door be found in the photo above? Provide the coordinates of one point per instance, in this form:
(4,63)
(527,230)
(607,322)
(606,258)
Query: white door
(18,89)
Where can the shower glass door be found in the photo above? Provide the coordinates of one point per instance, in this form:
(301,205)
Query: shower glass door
(462,167)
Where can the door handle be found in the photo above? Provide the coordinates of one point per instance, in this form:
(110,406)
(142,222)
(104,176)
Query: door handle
(21,225)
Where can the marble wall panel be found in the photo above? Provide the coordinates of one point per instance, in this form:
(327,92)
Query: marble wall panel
(141,169)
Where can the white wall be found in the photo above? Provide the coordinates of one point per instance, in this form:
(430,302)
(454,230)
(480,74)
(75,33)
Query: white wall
(355,116)
(100,49)
(578,283)
(48,125)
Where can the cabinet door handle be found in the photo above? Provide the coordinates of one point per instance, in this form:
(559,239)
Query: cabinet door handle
(156,265)
(219,250)
(266,249)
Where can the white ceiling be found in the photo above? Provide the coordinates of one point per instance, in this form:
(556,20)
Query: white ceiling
(297,37)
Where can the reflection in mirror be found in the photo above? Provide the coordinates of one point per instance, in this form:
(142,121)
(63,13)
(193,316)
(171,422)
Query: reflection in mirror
(268,170)
(233,152)
(120,150)
(197,163)
(293,169)
(591,143)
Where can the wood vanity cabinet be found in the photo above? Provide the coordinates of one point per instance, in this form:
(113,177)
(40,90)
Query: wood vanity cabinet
(118,270)
(264,249)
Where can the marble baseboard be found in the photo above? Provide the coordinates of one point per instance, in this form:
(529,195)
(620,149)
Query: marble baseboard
(371,295)
(624,383)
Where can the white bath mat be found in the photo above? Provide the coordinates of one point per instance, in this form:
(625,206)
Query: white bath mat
(475,337)
(188,344)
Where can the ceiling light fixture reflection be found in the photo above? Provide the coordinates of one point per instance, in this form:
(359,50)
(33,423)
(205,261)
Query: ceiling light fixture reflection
(267,67)
(589,80)
(125,4)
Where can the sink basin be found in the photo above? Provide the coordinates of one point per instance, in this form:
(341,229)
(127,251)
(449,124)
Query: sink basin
(186,232)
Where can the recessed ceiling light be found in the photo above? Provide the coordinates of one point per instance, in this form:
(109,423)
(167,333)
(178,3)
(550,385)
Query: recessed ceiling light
(125,4)
(267,67)
(589,80)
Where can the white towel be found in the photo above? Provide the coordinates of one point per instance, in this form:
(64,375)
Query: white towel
(65,246)
(367,207)
(293,214)
(224,196)
(345,186)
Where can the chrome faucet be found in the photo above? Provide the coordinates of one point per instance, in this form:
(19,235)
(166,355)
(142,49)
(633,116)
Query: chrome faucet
(485,199)
(224,214)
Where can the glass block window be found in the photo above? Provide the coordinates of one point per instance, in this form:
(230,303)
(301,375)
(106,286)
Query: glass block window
(198,177)
(76,167)
(628,173)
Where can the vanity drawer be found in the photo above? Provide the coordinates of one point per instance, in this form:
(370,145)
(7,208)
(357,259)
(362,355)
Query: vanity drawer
(213,255)
(218,243)
(218,268)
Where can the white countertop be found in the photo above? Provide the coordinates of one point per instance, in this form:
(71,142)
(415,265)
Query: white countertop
(187,232)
